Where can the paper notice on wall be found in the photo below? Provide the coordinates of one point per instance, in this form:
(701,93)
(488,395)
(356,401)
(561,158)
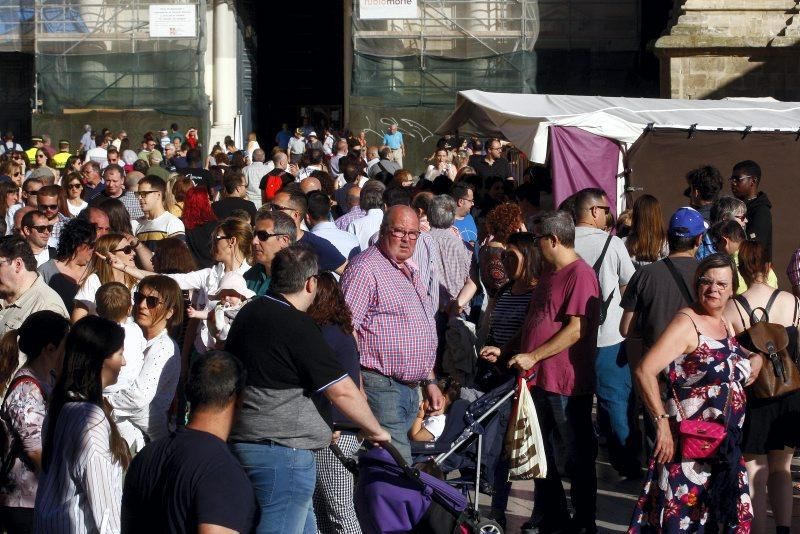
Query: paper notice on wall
(388,9)
(171,20)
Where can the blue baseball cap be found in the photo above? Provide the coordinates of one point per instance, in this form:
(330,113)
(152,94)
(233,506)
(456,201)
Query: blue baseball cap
(687,222)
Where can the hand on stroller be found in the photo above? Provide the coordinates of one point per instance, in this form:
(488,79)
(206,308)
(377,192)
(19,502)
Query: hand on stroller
(376,438)
(523,362)
(490,354)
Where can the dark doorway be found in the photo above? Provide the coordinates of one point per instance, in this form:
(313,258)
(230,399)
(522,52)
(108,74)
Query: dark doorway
(298,64)
(16,95)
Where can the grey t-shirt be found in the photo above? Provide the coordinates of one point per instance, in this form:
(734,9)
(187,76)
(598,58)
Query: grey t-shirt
(616,270)
(655,297)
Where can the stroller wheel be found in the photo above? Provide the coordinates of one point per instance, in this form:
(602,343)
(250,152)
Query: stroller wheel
(488,526)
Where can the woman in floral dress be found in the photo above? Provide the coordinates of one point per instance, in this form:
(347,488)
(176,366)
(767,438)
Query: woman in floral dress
(706,370)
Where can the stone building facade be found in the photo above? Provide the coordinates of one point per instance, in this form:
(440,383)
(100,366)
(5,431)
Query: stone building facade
(732,48)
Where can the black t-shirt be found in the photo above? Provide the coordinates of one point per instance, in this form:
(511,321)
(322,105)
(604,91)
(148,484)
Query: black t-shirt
(184,480)
(346,350)
(288,365)
(198,239)
(225,207)
(498,168)
(655,297)
(199,176)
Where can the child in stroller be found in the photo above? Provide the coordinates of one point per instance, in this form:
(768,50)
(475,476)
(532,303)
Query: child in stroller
(430,427)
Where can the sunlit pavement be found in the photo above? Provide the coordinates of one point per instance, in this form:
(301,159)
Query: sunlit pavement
(615,500)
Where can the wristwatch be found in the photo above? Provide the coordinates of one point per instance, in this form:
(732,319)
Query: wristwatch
(426,382)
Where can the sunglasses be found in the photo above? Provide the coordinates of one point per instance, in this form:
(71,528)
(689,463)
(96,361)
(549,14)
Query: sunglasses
(151,301)
(606,209)
(127,249)
(75,186)
(46,207)
(220,237)
(17,174)
(142,194)
(263,235)
(42,228)
(278,207)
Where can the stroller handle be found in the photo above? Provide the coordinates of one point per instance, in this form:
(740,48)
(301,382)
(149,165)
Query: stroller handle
(393,452)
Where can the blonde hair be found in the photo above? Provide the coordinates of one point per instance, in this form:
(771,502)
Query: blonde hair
(100,267)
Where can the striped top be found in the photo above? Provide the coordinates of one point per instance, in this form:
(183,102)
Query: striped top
(508,316)
(81,491)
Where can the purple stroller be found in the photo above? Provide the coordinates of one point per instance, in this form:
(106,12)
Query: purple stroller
(392,497)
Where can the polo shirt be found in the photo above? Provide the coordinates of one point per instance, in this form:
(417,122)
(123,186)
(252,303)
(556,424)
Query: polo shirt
(257,279)
(38,297)
(393,141)
(289,365)
(328,256)
(346,243)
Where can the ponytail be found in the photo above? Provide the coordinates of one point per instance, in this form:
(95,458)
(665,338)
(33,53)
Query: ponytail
(9,358)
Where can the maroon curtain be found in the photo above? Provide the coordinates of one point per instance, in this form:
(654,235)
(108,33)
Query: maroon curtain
(579,159)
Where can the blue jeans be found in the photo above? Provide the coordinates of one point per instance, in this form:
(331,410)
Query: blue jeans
(571,419)
(283,479)
(395,406)
(616,408)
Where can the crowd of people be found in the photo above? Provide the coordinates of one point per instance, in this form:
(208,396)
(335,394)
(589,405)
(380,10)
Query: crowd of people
(190,340)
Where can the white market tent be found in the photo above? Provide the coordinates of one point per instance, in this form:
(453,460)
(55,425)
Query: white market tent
(523,119)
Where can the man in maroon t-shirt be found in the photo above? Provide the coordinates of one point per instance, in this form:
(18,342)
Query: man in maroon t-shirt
(557,343)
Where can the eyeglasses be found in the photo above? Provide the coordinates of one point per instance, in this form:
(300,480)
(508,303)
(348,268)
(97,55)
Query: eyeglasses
(468,199)
(48,207)
(737,179)
(220,237)
(399,233)
(42,228)
(143,194)
(496,148)
(151,301)
(606,209)
(709,282)
(263,235)
(17,174)
(98,228)
(536,238)
(278,207)
(127,249)
(75,186)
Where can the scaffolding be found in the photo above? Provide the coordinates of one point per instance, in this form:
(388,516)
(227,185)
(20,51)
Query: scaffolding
(452,45)
(99,54)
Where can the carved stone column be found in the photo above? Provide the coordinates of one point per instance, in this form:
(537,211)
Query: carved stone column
(721,48)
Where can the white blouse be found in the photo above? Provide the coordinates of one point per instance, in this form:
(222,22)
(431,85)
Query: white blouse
(81,490)
(146,401)
(206,282)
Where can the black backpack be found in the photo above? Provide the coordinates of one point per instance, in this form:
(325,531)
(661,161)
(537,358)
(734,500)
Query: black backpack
(10,447)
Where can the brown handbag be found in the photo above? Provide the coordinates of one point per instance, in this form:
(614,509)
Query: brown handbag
(779,375)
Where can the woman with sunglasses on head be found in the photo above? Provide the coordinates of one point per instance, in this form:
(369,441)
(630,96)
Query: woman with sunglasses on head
(74,188)
(705,371)
(770,430)
(21,159)
(158,310)
(99,272)
(41,337)
(80,487)
(69,270)
(231,244)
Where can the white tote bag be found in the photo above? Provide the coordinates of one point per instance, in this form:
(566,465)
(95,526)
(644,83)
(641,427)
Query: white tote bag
(524,444)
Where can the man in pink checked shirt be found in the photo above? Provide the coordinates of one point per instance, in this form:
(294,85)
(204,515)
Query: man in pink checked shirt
(395,326)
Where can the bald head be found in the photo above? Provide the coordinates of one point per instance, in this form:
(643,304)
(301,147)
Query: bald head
(372,152)
(259,155)
(310,184)
(281,160)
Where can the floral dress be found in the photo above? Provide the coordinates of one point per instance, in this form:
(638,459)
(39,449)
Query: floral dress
(675,495)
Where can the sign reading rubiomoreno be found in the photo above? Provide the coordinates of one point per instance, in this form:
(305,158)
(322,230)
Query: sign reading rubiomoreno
(388,9)
(171,20)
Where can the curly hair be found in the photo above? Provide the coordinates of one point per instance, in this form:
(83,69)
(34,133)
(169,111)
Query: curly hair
(503,221)
(76,232)
(329,306)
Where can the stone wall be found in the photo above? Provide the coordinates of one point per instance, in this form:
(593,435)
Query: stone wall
(732,48)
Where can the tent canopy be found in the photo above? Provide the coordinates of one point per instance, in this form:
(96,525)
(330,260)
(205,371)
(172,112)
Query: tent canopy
(524,119)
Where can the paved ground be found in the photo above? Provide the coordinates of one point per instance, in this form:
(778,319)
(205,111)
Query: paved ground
(615,501)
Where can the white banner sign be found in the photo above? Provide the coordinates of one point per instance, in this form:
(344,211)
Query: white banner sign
(388,9)
(170,20)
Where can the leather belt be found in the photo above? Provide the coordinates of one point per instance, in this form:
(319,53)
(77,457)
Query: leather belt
(412,384)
